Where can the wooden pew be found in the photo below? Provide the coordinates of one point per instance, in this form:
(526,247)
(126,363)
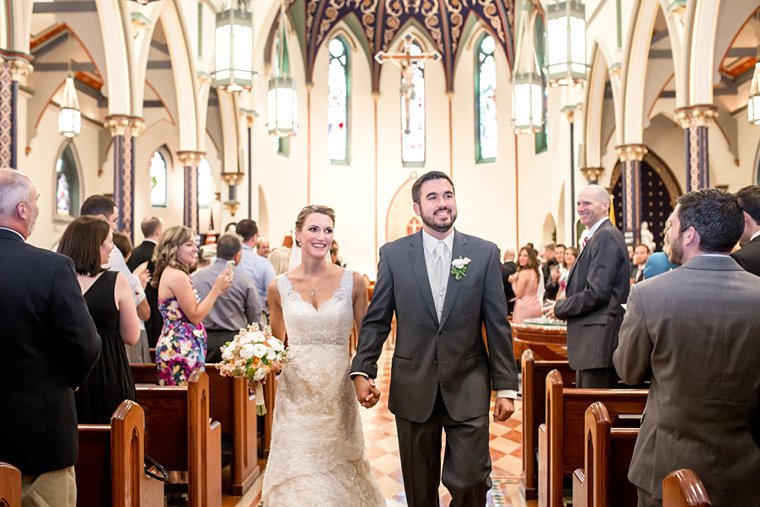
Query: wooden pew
(182,437)
(534,374)
(683,488)
(10,485)
(109,471)
(235,409)
(603,480)
(560,438)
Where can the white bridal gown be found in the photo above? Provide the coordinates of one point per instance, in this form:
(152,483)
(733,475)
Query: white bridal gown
(317,454)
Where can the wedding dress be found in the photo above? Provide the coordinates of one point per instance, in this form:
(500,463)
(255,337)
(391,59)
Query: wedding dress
(317,454)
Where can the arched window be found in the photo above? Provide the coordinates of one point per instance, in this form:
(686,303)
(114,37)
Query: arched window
(485,100)
(158,186)
(66,184)
(413,112)
(206,186)
(337,100)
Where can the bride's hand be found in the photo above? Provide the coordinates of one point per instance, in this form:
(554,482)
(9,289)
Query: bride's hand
(366,392)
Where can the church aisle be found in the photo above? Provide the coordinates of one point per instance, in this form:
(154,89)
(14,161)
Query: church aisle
(382,449)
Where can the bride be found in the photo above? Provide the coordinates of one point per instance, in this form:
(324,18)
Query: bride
(317,453)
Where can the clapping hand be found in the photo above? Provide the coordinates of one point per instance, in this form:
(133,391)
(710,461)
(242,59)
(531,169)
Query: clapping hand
(366,392)
(224,280)
(548,311)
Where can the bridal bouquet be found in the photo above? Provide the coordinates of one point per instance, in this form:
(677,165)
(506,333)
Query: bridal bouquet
(251,355)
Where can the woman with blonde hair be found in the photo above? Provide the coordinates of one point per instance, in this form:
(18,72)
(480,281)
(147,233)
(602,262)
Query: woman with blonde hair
(525,284)
(280,259)
(315,304)
(181,348)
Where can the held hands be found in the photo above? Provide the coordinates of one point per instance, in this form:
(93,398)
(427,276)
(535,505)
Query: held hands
(142,273)
(224,280)
(366,392)
(503,408)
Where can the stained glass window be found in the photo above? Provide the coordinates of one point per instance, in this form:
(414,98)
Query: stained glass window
(337,100)
(206,187)
(541,138)
(485,100)
(66,184)
(413,112)
(158,194)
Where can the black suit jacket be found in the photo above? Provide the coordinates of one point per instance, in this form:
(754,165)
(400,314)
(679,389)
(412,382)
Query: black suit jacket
(449,356)
(144,253)
(596,287)
(49,344)
(508,269)
(749,256)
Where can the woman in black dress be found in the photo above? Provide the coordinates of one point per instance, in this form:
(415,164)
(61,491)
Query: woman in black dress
(89,241)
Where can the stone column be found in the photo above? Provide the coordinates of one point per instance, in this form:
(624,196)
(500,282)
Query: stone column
(695,121)
(631,156)
(592,174)
(12,70)
(124,131)
(190,161)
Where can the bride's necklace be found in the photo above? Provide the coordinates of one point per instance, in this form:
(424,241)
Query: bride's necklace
(313,296)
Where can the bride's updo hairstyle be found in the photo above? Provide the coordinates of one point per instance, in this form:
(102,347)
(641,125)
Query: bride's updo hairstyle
(166,251)
(308,210)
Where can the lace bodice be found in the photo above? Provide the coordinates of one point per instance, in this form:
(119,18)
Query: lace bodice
(328,325)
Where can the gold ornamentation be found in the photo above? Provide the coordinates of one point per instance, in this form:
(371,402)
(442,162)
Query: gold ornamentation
(190,158)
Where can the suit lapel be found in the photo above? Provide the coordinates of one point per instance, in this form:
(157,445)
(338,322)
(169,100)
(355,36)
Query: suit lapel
(417,261)
(452,286)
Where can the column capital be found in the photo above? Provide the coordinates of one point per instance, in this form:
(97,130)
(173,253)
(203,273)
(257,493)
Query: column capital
(232,178)
(20,68)
(250,116)
(190,158)
(592,174)
(699,115)
(630,152)
(124,125)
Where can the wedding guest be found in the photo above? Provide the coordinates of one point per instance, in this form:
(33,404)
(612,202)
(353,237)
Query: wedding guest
(263,247)
(508,268)
(571,253)
(257,267)
(49,345)
(525,285)
(315,305)
(88,241)
(151,227)
(122,242)
(181,348)
(280,259)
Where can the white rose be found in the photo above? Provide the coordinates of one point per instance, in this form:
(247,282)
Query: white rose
(260,374)
(276,344)
(247,338)
(247,351)
(259,337)
(460,263)
(259,350)
(229,353)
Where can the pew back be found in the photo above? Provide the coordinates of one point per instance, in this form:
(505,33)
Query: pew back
(10,485)
(561,448)
(683,488)
(534,374)
(182,436)
(109,470)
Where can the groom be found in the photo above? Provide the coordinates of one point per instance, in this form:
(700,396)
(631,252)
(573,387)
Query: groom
(443,372)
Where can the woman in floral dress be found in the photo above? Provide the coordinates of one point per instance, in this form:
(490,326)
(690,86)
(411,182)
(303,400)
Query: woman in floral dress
(181,348)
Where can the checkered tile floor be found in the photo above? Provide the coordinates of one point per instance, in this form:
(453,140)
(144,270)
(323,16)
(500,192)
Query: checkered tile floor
(382,450)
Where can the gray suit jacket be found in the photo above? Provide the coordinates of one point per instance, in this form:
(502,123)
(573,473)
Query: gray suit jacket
(697,330)
(450,355)
(597,285)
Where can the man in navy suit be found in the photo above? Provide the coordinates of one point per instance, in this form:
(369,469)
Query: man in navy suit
(49,344)
(596,287)
(749,255)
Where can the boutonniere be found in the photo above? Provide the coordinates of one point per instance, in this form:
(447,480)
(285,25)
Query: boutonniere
(459,267)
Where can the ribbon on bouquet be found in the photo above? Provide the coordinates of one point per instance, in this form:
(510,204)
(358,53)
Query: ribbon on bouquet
(258,394)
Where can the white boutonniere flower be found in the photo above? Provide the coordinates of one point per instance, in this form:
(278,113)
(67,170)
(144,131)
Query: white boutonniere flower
(459,267)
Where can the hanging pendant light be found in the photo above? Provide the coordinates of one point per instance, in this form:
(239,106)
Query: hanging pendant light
(69,117)
(753,104)
(282,100)
(566,43)
(527,89)
(234,48)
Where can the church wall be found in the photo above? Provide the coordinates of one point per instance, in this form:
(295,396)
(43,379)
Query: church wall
(749,153)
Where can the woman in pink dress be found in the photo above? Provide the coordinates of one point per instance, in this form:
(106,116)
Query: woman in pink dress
(525,285)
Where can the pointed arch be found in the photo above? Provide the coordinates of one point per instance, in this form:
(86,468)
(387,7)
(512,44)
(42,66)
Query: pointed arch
(486,126)
(339,100)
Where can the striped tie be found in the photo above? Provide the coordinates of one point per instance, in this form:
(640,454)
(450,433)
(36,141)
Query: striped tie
(584,242)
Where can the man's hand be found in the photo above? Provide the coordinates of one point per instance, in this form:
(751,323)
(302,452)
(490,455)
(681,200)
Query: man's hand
(366,392)
(548,311)
(503,408)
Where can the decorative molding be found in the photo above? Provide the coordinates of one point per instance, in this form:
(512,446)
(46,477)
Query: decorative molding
(190,158)
(232,179)
(631,152)
(592,174)
(700,115)
(124,125)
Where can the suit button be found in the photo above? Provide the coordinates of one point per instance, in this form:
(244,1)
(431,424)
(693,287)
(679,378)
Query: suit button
(440,333)
(435,363)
